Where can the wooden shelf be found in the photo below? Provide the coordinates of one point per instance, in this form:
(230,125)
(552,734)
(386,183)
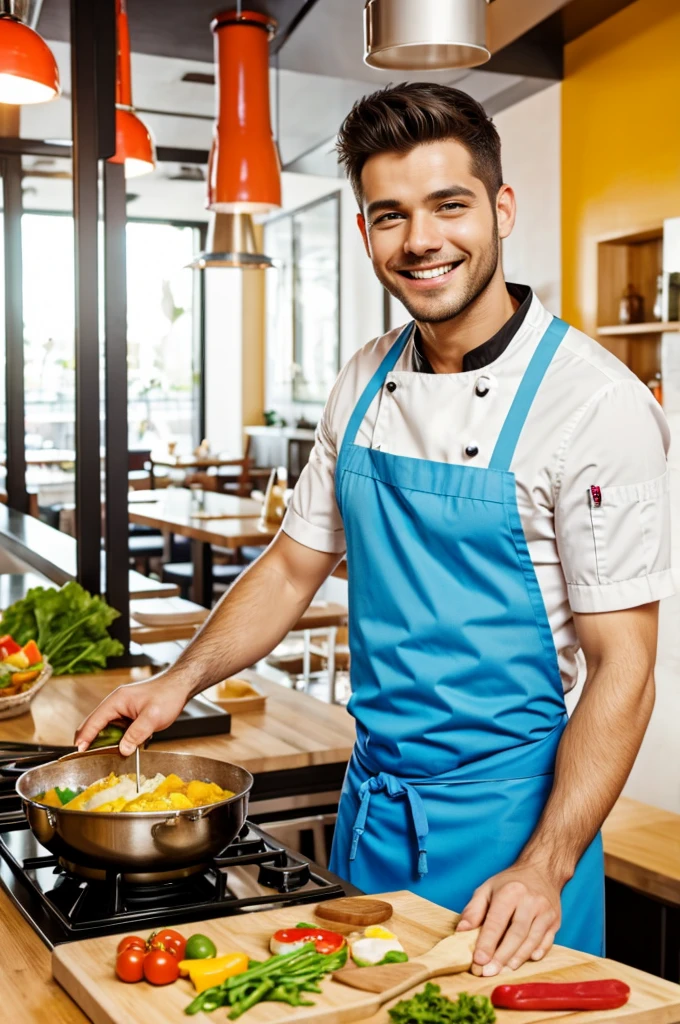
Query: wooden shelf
(655,327)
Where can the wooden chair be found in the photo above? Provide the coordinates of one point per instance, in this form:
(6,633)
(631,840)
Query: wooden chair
(323,619)
(206,481)
(139,471)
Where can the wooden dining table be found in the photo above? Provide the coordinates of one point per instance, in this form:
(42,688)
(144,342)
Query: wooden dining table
(184,463)
(206,518)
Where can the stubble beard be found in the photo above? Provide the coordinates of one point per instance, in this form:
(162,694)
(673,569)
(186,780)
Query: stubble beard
(433,311)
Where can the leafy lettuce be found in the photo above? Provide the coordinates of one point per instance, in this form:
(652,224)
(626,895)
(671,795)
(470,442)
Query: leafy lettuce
(69,626)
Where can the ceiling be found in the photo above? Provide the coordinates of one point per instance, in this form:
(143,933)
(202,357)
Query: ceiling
(178,28)
(317,70)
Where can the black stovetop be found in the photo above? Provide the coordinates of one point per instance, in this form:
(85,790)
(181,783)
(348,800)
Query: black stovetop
(253,873)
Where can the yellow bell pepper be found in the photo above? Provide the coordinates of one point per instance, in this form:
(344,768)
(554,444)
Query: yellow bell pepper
(213,970)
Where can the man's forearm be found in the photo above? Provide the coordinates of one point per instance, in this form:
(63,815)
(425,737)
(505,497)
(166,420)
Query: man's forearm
(252,618)
(595,756)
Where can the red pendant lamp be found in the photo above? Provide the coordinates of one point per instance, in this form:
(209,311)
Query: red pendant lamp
(244,173)
(28,70)
(134,144)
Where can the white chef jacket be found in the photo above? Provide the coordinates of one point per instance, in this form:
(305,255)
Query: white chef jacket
(593,423)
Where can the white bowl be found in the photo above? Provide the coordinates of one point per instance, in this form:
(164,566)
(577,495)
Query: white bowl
(10,707)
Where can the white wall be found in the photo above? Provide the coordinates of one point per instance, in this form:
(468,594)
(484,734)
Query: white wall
(531,139)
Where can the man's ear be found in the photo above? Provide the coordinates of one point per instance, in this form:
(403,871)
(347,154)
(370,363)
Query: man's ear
(506,209)
(364,233)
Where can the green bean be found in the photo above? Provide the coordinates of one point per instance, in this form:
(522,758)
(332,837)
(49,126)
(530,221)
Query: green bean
(265,986)
(199,1002)
(272,965)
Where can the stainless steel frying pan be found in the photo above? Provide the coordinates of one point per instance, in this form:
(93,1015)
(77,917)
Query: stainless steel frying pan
(143,842)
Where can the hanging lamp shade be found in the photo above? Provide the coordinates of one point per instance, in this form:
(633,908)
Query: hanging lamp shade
(134,144)
(28,70)
(427,35)
(231,242)
(244,174)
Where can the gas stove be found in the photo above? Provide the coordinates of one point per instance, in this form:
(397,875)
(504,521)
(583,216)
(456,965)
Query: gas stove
(253,873)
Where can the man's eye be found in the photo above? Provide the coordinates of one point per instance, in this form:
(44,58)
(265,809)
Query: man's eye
(453,206)
(387,216)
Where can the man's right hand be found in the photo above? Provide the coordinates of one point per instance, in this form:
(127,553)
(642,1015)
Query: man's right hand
(152,705)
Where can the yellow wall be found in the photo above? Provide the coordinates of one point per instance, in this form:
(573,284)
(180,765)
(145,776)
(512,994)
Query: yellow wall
(620,140)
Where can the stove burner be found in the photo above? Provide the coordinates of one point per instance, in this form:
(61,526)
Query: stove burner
(135,878)
(253,873)
(284,877)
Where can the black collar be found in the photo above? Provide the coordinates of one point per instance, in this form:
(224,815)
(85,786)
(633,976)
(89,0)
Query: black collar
(490,350)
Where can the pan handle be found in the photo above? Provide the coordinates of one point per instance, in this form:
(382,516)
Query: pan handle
(89,753)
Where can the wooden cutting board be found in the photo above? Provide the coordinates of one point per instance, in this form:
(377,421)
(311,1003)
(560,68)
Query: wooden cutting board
(86,971)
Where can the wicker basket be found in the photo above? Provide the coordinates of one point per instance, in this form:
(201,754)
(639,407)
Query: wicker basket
(19,704)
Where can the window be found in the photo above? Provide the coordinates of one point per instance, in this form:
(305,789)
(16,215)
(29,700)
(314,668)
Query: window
(303,303)
(162,376)
(162,328)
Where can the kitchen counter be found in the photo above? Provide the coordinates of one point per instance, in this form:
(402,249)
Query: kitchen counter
(294,731)
(642,849)
(28,994)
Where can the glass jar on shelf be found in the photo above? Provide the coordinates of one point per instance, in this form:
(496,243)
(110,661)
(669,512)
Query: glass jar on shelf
(631,307)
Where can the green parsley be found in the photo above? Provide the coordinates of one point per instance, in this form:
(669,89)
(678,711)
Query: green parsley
(431,1007)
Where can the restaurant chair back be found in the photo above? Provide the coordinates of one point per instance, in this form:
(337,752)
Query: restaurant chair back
(182,574)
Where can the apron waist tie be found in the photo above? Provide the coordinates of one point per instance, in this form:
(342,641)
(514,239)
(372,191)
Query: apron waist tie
(394,787)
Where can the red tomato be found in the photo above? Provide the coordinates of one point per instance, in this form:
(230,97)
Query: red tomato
(130,964)
(161,967)
(171,940)
(131,942)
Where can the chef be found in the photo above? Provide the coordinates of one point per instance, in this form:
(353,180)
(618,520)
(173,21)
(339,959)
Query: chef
(498,482)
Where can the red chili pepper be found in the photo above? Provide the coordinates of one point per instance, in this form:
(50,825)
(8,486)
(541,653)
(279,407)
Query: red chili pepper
(548,995)
(325,942)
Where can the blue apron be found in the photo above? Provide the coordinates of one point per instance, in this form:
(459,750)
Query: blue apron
(457,693)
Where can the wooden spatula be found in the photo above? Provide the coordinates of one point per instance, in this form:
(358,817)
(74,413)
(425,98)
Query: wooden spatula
(450,956)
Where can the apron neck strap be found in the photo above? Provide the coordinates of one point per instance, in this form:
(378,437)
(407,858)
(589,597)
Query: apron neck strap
(374,385)
(526,392)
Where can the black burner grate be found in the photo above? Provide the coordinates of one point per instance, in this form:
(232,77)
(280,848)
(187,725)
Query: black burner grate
(253,873)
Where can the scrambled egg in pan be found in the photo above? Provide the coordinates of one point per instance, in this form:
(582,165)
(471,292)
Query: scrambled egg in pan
(119,793)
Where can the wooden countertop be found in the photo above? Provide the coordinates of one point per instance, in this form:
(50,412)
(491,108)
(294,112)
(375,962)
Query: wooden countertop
(294,730)
(27,990)
(642,849)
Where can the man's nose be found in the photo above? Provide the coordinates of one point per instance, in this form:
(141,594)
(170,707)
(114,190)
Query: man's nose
(423,235)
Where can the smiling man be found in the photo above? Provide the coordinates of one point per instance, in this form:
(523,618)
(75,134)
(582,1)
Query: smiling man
(498,481)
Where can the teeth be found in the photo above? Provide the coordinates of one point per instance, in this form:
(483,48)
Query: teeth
(423,275)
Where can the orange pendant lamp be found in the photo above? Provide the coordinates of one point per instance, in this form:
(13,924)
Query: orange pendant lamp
(134,144)
(28,70)
(244,173)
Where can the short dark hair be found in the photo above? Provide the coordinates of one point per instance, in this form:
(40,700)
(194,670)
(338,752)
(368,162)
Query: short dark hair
(401,117)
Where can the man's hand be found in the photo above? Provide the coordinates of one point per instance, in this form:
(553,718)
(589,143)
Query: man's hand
(152,705)
(519,911)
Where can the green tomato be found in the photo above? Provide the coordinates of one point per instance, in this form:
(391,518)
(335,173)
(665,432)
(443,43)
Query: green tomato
(199,947)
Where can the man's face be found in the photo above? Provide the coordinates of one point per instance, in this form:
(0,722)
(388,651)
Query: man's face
(430,228)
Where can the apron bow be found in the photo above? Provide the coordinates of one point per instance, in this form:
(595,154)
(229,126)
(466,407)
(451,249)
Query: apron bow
(394,787)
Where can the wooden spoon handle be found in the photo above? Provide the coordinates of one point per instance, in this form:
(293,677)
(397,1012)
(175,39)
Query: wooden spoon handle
(387,981)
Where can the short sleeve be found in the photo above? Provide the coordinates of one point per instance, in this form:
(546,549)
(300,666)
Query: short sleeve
(612,507)
(313,517)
